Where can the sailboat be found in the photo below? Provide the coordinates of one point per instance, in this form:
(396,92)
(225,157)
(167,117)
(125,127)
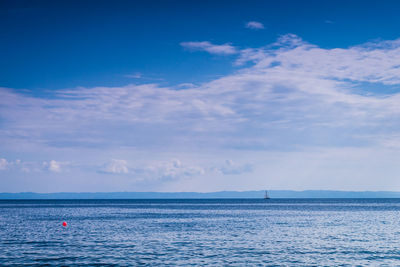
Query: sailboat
(266,196)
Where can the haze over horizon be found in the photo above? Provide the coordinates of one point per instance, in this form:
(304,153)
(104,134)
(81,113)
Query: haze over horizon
(183,96)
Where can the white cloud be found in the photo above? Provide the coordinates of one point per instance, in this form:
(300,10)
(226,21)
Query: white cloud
(231,168)
(375,62)
(167,171)
(10,165)
(3,164)
(136,75)
(286,96)
(52,165)
(116,166)
(292,90)
(254,25)
(224,49)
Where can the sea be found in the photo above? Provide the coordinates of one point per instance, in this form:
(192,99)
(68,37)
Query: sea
(200,232)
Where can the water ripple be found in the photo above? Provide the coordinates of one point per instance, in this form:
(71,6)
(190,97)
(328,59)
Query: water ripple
(200,232)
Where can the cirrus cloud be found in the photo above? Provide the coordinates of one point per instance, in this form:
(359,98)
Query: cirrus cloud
(292,90)
(116,166)
(288,96)
(224,49)
(3,164)
(254,25)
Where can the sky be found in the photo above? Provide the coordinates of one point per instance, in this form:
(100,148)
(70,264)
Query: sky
(181,96)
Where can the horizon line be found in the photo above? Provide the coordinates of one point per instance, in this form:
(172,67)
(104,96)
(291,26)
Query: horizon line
(197,192)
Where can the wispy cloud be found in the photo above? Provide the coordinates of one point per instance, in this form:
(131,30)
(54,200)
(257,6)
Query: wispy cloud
(32,166)
(163,171)
(290,85)
(115,166)
(224,49)
(254,25)
(3,164)
(136,75)
(53,166)
(231,168)
(285,97)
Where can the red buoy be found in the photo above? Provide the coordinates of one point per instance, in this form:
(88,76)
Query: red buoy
(65,224)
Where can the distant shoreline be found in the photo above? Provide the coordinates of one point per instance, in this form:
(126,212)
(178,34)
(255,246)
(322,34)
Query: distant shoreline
(211,195)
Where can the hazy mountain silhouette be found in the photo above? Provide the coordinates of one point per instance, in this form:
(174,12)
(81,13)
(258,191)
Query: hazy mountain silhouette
(194,195)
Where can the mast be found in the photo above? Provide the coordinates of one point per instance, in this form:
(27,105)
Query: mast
(266,196)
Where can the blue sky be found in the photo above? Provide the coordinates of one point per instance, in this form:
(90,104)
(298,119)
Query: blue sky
(64,44)
(199,96)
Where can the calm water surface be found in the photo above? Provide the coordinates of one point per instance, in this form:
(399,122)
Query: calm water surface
(236,232)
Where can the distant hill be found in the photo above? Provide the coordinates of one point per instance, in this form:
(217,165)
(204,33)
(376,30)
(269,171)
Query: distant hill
(194,195)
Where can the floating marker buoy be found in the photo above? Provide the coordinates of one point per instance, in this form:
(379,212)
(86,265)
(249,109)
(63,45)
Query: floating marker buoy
(65,224)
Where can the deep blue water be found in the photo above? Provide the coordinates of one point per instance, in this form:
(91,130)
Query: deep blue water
(235,232)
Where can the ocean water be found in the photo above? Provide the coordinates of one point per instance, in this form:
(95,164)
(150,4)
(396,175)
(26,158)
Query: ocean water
(235,232)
